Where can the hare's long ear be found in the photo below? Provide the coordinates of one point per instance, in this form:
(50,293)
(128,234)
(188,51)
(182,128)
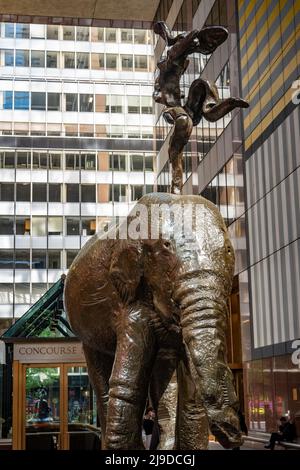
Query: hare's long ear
(163,31)
(210,38)
(126,269)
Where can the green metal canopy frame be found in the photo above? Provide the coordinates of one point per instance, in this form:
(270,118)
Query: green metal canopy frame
(46,318)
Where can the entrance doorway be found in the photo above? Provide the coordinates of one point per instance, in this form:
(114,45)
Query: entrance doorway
(55,408)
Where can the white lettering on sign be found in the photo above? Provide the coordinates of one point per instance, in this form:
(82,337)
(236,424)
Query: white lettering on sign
(54,352)
(296,354)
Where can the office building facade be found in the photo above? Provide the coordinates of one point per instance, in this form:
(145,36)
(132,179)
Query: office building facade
(76,146)
(248,165)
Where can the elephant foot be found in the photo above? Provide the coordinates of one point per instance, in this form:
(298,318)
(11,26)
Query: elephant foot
(225,425)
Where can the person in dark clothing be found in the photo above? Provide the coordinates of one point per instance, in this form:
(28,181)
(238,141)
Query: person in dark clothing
(287,432)
(148,424)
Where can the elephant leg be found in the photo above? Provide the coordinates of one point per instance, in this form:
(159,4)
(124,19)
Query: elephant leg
(191,419)
(129,382)
(163,370)
(99,368)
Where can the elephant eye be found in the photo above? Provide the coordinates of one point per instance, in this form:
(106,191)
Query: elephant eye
(167,244)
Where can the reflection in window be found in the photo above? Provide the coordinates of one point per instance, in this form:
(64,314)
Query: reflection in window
(23,160)
(51,60)
(111,61)
(69,60)
(71,255)
(23,191)
(53,102)
(136,163)
(82,60)
(133,103)
(117,162)
(136,192)
(55,225)
(97,61)
(147,104)
(127,62)
(39,160)
(88,193)
(71,102)
(39,192)
(52,31)
(88,161)
(55,161)
(110,35)
(54,192)
(38,289)
(9,31)
(54,261)
(9,58)
(72,192)
(88,226)
(82,33)
(37,59)
(68,33)
(140,62)
(21,100)
(22,259)
(6,259)
(148,163)
(38,100)
(22,293)
(22,30)
(22,226)
(39,226)
(7,159)
(38,259)
(22,58)
(86,103)
(6,225)
(73,224)
(117,192)
(72,161)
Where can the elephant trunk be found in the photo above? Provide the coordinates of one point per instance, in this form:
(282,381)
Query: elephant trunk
(202,296)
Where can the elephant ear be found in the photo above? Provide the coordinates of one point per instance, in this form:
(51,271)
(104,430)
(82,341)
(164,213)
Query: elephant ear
(210,38)
(126,269)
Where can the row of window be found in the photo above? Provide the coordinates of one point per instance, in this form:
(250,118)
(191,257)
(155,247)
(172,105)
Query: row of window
(37,259)
(38,226)
(82,102)
(71,192)
(75,60)
(76,33)
(76,161)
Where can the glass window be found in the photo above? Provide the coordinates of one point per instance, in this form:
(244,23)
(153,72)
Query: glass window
(136,192)
(53,101)
(52,31)
(6,259)
(72,192)
(39,192)
(72,225)
(52,59)
(23,160)
(71,102)
(38,100)
(7,159)
(9,58)
(9,30)
(110,35)
(7,100)
(148,163)
(38,290)
(22,293)
(54,259)
(83,60)
(22,226)
(149,188)
(88,226)
(133,103)
(37,59)
(88,193)
(22,58)
(86,103)
(72,161)
(55,225)
(39,226)
(126,35)
(39,160)
(88,161)
(97,61)
(127,62)
(117,193)
(140,36)
(6,225)
(69,60)
(140,62)
(82,33)
(117,162)
(97,34)
(133,132)
(22,259)
(38,259)
(116,131)
(147,104)
(21,100)
(111,61)
(136,163)
(69,33)
(54,192)
(22,30)
(116,104)
(71,255)
(23,191)
(55,161)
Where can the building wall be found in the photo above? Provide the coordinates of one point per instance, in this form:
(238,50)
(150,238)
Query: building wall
(76,146)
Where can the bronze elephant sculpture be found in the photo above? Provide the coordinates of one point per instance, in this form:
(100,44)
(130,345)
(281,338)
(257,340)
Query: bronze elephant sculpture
(146,306)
